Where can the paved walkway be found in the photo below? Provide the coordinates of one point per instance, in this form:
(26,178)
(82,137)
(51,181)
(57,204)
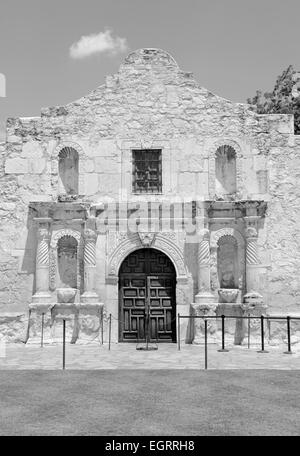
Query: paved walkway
(125,356)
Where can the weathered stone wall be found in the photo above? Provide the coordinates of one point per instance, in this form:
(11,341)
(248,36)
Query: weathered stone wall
(150,103)
(281,248)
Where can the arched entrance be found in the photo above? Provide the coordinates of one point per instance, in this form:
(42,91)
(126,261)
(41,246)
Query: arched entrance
(147,286)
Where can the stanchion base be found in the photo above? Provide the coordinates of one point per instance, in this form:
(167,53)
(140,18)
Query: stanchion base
(223,350)
(147,348)
(262,351)
(288,353)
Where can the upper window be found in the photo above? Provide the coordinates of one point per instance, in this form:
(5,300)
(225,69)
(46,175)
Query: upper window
(147,175)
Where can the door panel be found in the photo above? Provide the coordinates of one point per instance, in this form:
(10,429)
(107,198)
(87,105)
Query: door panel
(147,298)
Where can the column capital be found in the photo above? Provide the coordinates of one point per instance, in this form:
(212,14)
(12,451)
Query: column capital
(251,233)
(43,234)
(90,235)
(204,235)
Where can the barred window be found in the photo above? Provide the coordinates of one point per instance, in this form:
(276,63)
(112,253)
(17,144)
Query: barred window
(147,175)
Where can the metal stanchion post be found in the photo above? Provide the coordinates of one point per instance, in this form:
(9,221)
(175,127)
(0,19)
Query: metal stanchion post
(64,344)
(102,315)
(289,351)
(109,331)
(223,349)
(42,332)
(262,328)
(205,342)
(178,332)
(248,330)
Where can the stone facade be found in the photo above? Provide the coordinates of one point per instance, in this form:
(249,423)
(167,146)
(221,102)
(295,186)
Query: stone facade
(150,104)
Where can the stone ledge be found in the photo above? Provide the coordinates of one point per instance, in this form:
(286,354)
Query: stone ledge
(11,315)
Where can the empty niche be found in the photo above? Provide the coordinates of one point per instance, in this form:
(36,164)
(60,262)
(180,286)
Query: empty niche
(227,258)
(68,171)
(225,171)
(67,262)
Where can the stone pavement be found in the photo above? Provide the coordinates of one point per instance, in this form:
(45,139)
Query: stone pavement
(125,356)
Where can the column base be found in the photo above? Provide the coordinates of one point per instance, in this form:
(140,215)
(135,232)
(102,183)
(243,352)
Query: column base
(205,297)
(253,306)
(90,324)
(89,297)
(41,297)
(84,323)
(202,310)
(40,321)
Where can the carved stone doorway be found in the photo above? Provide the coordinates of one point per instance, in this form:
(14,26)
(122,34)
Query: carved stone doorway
(147,286)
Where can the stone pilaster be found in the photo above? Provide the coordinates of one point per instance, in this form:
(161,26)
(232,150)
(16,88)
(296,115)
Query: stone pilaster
(89,258)
(252,259)
(205,302)
(42,293)
(204,294)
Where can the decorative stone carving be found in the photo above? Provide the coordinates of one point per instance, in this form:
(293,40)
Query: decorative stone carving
(228,231)
(42,262)
(42,256)
(66,295)
(90,323)
(52,269)
(203,310)
(90,237)
(89,295)
(203,249)
(146,238)
(228,295)
(132,242)
(64,232)
(253,306)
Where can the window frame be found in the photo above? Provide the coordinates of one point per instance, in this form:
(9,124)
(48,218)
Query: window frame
(147,162)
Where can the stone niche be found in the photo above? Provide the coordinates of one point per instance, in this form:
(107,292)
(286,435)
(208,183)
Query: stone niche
(229,293)
(67,262)
(225,171)
(68,171)
(227,263)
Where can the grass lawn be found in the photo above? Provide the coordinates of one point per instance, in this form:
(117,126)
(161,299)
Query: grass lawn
(156,402)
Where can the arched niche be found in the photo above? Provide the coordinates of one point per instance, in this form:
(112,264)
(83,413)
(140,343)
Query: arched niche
(223,241)
(66,246)
(227,262)
(68,172)
(67,269)
(225,171)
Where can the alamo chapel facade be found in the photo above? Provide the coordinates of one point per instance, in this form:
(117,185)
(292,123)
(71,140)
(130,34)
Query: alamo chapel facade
(148,198)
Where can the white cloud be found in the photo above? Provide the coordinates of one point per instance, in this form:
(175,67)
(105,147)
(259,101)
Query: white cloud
(103,42)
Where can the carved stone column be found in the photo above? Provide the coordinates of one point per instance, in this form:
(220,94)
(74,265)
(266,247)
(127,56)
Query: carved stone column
(42,293)
(89,295)
(203,262)
(252,259)
(205,302)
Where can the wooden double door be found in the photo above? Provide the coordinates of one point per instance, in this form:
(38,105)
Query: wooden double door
(147,307)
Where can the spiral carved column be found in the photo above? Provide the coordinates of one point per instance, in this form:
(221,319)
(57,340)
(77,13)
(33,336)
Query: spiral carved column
(203,260)
(205,304)
(42,263)
(252,260)
(89,258)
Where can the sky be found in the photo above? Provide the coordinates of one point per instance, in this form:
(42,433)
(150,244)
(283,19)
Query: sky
(55,51)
